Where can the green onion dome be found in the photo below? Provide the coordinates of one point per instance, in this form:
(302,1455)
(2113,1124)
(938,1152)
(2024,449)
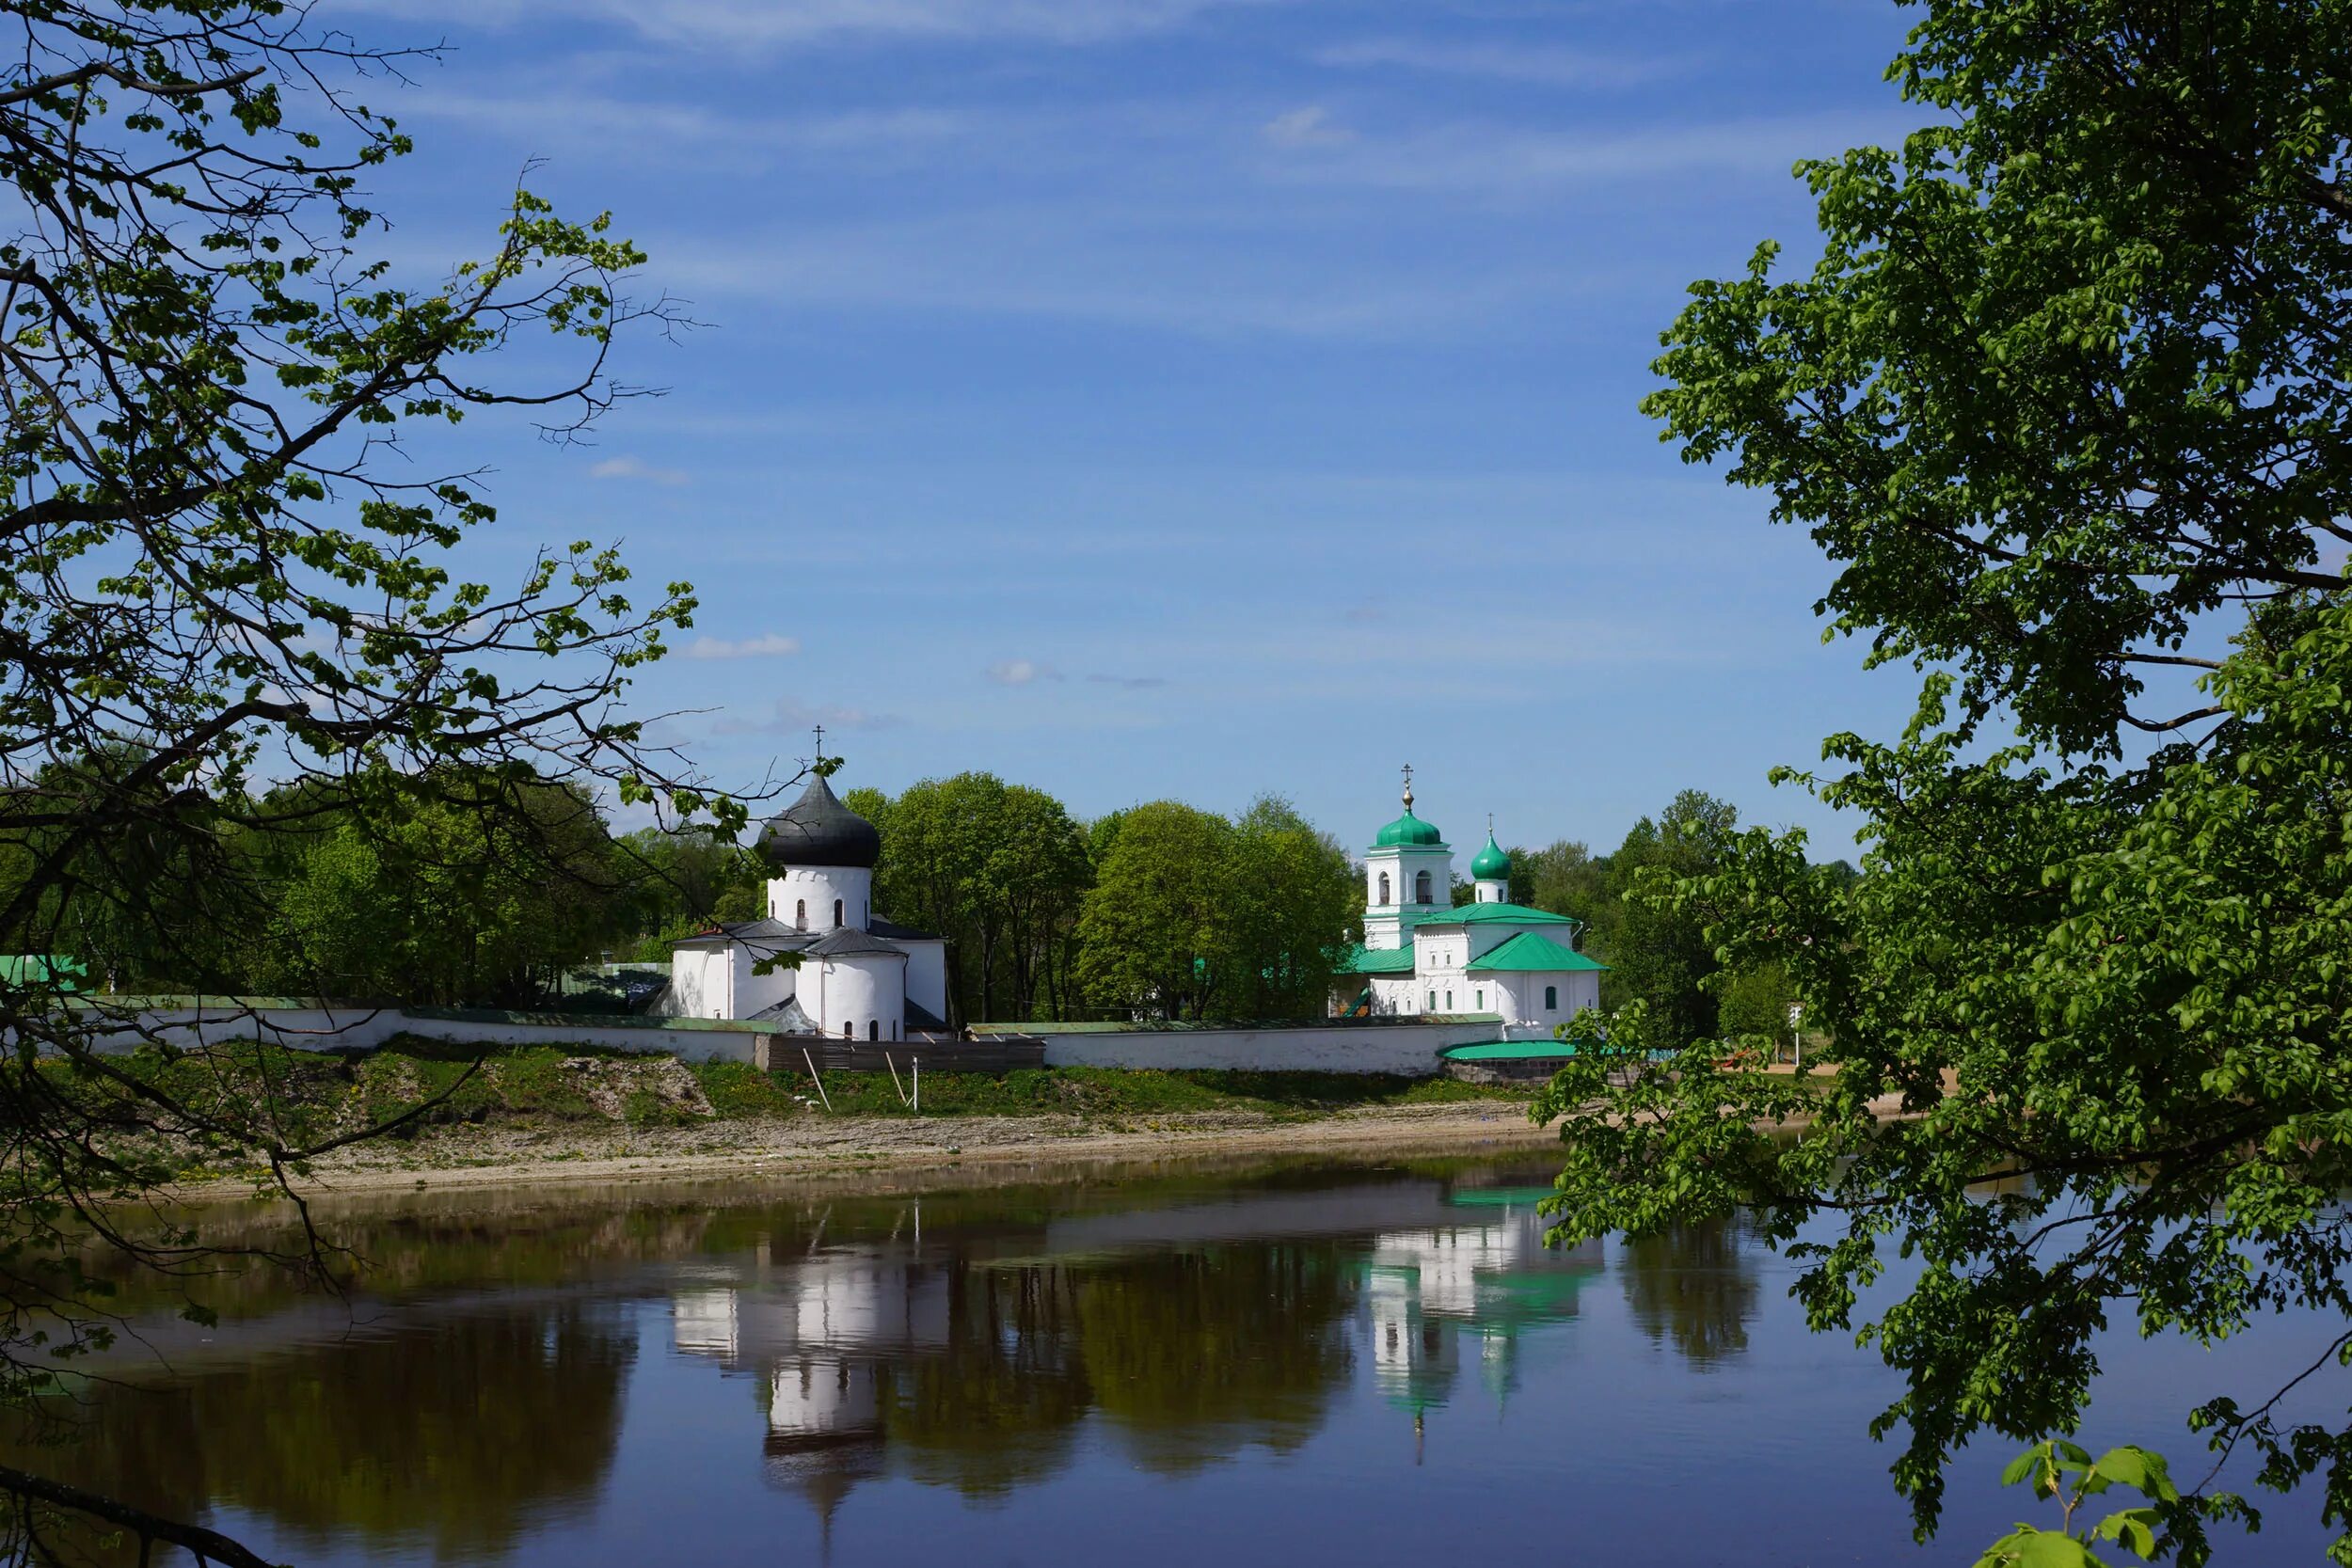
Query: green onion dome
(1409,831)
(1491,864)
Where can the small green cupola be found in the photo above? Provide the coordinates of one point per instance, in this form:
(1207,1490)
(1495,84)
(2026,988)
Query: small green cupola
(1491,864)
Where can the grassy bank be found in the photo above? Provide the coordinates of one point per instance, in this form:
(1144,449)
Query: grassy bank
(321,1094)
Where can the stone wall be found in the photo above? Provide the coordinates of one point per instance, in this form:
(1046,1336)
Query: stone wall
(189,1022)
(1369,1045)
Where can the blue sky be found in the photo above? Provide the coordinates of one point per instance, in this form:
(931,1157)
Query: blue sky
(1181,398)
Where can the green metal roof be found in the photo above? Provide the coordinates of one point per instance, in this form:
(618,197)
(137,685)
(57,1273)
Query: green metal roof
(1508,1051)
(1377,961)
(1532,953)
(58,970)
(1409,831)
(1491,863)
(1489,914)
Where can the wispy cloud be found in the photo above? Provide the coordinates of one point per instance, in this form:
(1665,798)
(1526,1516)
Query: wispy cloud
(637,467)
(1308,126)
(768,645)
(1020,672)
(1552,66)
(1144,269)
(1132,682)
(742,25)
(791,717)
(1475,158)
(653,131)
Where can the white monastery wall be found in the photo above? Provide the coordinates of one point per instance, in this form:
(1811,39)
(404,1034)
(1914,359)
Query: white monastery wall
(361,1029)
(1410,1049)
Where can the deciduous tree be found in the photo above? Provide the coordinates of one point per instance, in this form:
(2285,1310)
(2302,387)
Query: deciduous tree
(2065,400)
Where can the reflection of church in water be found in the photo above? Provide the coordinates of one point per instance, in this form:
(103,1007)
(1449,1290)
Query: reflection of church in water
(1434,1294)
(881,1356)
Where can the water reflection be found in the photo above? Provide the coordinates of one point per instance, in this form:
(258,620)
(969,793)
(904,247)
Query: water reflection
(457,1439)
(1692,1287)
(978,1343)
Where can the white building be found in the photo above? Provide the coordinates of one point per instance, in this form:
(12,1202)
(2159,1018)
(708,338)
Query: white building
(859,976)
(1424,957)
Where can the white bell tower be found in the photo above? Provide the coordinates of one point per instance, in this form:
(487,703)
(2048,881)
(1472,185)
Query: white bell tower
(1409,873)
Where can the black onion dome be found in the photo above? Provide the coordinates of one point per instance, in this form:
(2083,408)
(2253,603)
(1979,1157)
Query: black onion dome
(817,830)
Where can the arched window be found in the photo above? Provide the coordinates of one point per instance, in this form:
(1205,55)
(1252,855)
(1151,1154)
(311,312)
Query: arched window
(1384,887)
(1481,1003)
(849,1031)
(800,915)
(1420,887)
(836,912)
(873,1028)
(1551,999)
(1449,1002)
(1432,1006)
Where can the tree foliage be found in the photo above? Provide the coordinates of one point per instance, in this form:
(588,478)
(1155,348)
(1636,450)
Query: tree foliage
(2064,399)
(999,870)
(233,630)
(1196,916)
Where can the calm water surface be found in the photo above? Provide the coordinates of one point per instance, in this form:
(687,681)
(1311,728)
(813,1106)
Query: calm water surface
(1290,1364)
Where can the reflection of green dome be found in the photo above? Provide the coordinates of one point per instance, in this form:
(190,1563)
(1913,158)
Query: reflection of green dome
(1408,830)
(1492,865)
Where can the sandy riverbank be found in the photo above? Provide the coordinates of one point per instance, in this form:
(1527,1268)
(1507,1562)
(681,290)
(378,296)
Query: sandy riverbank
(459,1159)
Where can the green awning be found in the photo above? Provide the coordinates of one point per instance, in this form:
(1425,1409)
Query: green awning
(1509,1051)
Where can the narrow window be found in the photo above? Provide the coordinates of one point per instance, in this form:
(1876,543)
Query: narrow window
(1420,888)
(849,1031)
(873,1028)
(1433,1001)
(836,912)
(1449,1002)
(1384,887)
(800,915)
(1551,999)
(1481,1002)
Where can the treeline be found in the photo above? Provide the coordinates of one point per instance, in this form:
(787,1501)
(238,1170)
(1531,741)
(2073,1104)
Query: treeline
(495,887)
(484,888)
(1162,910)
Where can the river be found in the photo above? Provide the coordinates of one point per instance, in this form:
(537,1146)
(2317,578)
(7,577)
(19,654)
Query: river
(1239,1365)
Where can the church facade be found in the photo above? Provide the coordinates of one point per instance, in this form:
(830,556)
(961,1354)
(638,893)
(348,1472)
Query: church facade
(859,976)
(1422,955)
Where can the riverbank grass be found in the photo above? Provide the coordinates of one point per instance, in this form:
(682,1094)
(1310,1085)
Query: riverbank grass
(322,1094)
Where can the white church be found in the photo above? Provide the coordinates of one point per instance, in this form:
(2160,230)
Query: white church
(1424,957)
(859,977)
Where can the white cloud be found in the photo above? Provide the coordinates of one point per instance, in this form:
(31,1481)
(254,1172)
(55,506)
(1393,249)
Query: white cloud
(768,645)
(1020,672)
(637,467)
(1311,126)
(1512,62)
